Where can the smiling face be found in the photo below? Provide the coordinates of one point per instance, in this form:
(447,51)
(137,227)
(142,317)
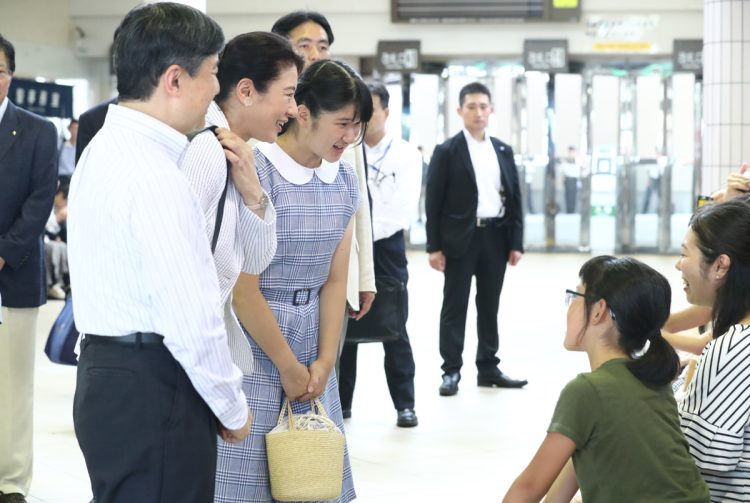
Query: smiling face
(332,132)
(199,91)
(700,288)
(272,109)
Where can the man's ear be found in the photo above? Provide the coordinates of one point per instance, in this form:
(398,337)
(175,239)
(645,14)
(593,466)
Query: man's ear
(171,79)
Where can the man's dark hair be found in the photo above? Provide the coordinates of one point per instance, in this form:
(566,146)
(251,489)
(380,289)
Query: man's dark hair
(285,24)
(379,90)
(259,56)
(473,88)
(10,53)
(153,37)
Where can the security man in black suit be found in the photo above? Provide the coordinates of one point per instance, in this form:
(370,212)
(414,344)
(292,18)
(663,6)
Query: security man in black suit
(474,227)
(28,179)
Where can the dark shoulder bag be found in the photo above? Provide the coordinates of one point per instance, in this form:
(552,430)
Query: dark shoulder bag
(385,320)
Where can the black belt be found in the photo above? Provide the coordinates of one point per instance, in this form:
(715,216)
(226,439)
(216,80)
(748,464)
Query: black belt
(136,339)
(490,222)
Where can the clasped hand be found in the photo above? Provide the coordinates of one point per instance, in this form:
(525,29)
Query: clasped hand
(302,383)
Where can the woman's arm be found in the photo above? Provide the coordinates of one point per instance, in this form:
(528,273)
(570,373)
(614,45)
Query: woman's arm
(255,315)
(692,343)
(692,317)
(535,481)
(332,307)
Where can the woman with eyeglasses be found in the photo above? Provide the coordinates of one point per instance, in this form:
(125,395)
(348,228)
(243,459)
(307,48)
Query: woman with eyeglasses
(615,432)
(299,299)
(715,413)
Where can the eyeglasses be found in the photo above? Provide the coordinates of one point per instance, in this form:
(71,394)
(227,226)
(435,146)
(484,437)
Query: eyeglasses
(572,294)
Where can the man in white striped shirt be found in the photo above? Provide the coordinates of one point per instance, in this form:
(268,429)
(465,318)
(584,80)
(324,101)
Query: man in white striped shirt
(155,371)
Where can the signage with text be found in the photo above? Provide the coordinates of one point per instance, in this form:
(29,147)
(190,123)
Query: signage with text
(687,56)
(398,56)
(546,55)
(43,98)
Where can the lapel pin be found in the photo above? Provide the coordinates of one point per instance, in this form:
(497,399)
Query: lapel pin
(14,133)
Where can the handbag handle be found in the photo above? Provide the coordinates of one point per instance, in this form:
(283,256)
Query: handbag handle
(286,408)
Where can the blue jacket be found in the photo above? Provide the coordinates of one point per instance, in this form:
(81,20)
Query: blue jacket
(28,181)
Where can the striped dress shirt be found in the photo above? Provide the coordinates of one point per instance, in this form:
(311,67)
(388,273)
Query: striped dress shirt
(715,415)
(139,258)
(246,243)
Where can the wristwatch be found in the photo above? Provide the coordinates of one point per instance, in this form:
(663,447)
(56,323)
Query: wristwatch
(262,203)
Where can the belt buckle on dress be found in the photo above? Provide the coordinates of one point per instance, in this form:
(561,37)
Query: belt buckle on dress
(297,294)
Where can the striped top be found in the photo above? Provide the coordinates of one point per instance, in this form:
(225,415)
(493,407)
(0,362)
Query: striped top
(715,415)
(246,243)
(139,258)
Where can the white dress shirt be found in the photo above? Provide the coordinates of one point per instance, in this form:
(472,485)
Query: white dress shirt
(246,243)
(394,177)
(139,258)
(487,173)
(3,108)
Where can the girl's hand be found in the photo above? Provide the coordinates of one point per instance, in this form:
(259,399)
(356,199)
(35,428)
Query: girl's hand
(294,380)
(319,373)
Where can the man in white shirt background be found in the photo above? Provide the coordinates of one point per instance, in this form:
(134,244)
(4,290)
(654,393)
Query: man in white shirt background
(67,157)
(394,179)
(154,373)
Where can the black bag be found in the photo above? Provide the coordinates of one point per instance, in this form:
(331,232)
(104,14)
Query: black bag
(385,321)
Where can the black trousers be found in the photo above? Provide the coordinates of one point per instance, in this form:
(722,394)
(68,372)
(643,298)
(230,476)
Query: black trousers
(485,259)
(146,434)
(389,256)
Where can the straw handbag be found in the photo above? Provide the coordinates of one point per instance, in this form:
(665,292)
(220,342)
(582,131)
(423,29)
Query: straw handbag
(305,455)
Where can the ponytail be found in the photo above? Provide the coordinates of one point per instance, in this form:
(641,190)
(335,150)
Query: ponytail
(659,365)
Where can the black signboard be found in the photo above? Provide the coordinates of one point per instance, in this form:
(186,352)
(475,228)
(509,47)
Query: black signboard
(546,55)
(687,56)
(398,56)
(43,98)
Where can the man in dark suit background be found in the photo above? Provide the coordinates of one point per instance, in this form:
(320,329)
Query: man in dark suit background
(474,227)
(89,123)
(28,179)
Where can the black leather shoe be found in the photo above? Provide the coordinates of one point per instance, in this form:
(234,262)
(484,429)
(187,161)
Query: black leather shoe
(346,413)
(12,498)
(450,384)
(406,418)
(500,380)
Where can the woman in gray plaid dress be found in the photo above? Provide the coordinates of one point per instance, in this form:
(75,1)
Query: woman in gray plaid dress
(299,299)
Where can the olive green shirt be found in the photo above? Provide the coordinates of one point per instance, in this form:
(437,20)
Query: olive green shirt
(629,446)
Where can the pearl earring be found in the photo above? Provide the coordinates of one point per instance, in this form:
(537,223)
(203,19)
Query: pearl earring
(248,102)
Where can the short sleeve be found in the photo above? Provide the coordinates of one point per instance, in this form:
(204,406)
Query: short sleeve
(352,183)
(576,411)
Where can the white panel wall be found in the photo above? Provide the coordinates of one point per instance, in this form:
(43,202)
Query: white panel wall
(683,117)
(605,113)
(424,111)
(536,113)
(649,120)
(568,112)
(502,98)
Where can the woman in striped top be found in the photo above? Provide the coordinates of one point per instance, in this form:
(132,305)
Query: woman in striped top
(715,414)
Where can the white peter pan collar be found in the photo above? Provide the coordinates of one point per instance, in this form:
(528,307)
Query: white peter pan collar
(294,172)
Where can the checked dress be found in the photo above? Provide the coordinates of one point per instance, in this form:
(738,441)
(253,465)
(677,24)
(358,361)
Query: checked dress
(313,209)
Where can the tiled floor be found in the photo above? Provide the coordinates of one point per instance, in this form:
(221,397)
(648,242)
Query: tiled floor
(468,447)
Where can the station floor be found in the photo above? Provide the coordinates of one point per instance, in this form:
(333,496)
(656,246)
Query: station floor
(468,447)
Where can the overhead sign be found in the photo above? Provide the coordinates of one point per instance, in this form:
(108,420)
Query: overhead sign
(43,98)
(687,56)
(398,56)
(546,55)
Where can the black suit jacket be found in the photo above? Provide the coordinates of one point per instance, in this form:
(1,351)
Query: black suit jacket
(452,197)
(89,123)
(28,180)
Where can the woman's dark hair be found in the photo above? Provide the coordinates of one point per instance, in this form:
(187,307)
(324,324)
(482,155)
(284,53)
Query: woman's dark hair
(639,299)
(724,229)
(259,56)
(330,85)
(154,36)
